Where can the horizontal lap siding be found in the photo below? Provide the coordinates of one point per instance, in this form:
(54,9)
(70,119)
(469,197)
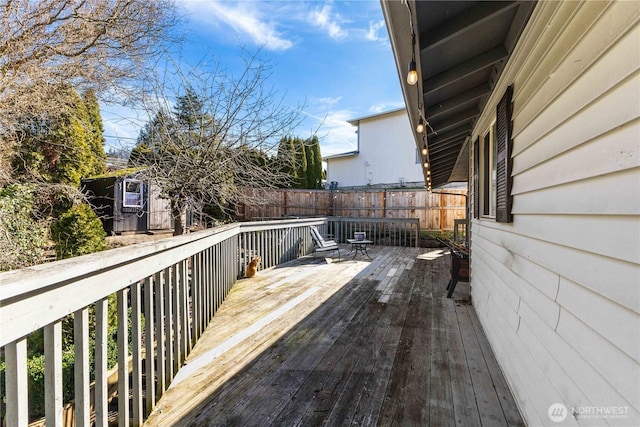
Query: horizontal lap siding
(558,290)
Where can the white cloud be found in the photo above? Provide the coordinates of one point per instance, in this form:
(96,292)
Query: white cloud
(325,19)
(244,17)
(326,102)
(374,28)
(335,133)
(382,107)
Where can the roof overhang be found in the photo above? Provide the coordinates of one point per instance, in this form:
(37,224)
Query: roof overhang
(461,49)
(341,155)
(355,122)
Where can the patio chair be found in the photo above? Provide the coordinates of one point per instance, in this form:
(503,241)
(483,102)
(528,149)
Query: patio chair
(322,245)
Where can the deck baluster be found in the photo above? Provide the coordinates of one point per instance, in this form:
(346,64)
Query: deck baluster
(100,359)
(136,354)
(123,365)
(161,363)
(81,366)
(53,373)
(149,363)
(16,383)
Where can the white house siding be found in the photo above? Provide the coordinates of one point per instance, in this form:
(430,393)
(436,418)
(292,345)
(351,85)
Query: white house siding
(558,290)
(346,171)
(386,154)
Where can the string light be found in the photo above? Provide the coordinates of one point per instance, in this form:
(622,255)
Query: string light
(412,79)
(412,75)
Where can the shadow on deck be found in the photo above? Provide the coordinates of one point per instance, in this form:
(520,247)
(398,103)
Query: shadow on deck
(335,343)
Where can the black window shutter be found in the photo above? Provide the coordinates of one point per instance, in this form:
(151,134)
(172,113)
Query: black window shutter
(504,128)
(476,180)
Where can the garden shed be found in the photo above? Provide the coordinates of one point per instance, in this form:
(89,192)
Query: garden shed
(127,203)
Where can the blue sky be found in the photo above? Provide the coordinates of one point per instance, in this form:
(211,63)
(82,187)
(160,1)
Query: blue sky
(334,56)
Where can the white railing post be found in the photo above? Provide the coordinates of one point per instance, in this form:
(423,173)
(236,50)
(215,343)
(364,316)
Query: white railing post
(196,283)
(149,368)
(136,354)
(123,359)
(168,323)
(101,391)
(161,386)
(53,374)
(16,382)
(81,366)
(177,316)
(185,342)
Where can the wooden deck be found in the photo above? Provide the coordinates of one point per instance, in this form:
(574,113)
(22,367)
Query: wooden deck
(354,342)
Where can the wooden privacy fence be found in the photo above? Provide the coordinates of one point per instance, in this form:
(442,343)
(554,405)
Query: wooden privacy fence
(435,211)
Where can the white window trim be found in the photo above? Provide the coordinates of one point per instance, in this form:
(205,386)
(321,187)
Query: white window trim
(125,192)
(488,178)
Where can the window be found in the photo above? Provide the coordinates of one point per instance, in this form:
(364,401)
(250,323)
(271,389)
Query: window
(488,172)
(132,193)
(418,157)
(492,165)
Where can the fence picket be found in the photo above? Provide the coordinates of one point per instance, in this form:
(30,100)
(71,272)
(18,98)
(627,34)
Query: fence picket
(436,210)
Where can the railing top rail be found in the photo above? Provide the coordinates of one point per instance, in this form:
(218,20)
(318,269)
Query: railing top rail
(33,297)
(29,279)
(280,223)
(373,219)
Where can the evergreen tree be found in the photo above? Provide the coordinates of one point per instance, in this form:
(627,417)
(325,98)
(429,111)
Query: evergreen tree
(149,139)
(189,112)
(65,147)
(311,179)
(287,158)
(315,167)
(96,133)
(301,163)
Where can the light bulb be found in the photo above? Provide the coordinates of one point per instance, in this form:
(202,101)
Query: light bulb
(412,76)
(426,165)
(420,128)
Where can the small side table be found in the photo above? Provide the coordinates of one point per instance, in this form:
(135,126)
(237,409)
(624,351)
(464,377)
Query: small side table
(360,246)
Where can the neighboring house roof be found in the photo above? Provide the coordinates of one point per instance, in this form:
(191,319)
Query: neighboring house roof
(461,49)
(335,156)
(354,122)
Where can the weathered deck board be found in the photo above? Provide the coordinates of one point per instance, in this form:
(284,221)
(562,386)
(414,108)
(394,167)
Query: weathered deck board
(334,343)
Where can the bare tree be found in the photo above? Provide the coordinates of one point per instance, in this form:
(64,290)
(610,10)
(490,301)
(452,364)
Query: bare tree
(103,45)
(213,135)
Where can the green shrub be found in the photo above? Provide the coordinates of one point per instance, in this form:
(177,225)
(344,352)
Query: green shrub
(23,238)
(78,232)
(35,374)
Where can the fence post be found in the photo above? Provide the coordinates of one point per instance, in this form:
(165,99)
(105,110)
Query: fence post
(383,194)
(441,213)
(285,203)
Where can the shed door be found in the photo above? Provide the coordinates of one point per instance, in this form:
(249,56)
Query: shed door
(159,210)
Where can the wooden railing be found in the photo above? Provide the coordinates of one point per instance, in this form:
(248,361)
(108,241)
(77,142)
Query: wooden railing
(167,292)
(382,231)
